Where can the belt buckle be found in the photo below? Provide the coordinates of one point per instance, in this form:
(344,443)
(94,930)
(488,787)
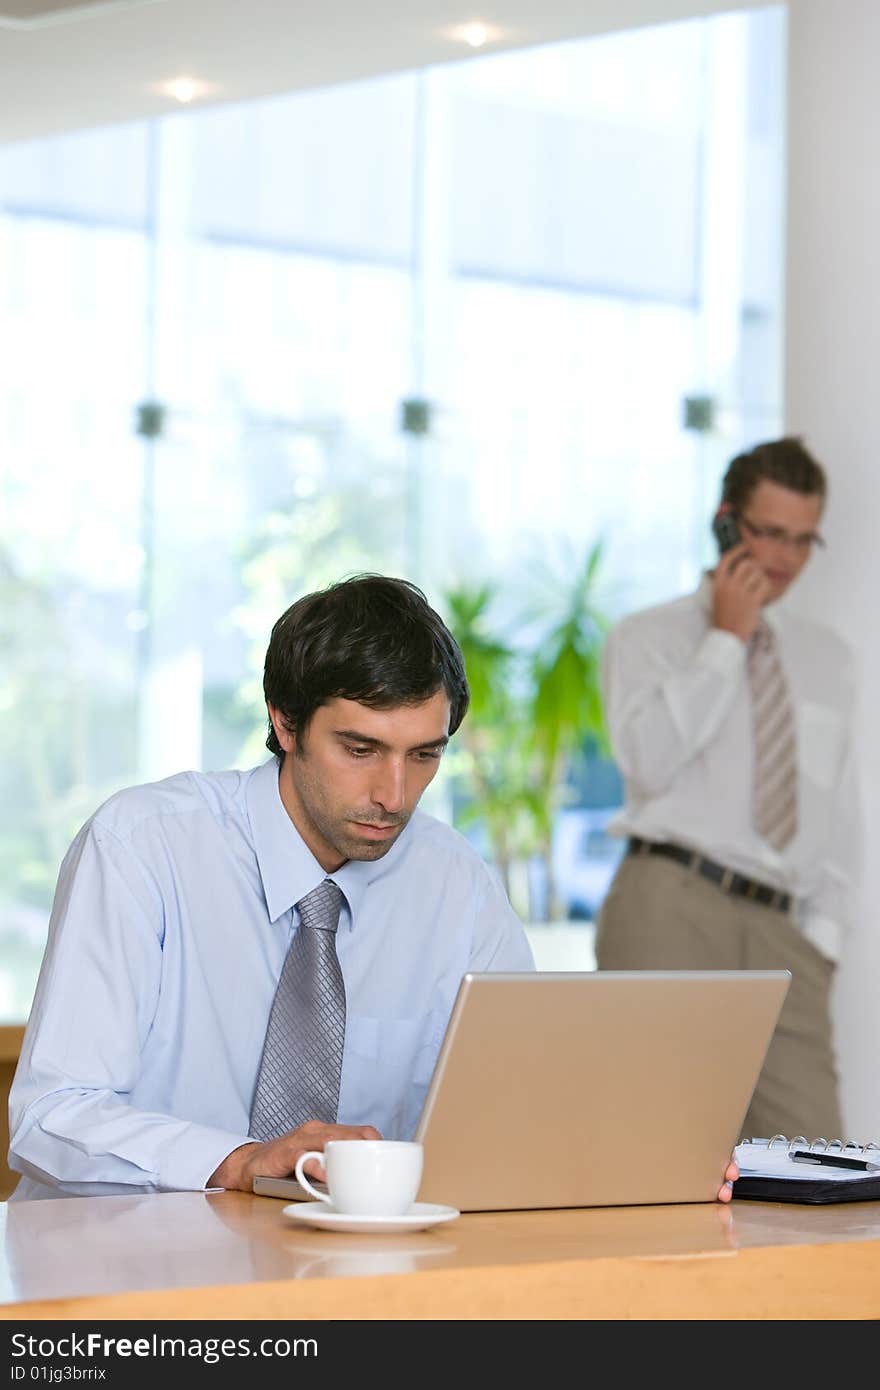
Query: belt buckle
(752,888)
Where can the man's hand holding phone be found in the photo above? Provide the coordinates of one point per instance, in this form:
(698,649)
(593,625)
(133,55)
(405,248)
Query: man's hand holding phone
(740,590)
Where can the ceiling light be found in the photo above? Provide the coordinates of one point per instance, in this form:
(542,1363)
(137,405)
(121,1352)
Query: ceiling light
(184,89)
(475,33)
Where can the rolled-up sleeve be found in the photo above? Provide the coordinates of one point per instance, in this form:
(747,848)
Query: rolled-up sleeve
(828,911)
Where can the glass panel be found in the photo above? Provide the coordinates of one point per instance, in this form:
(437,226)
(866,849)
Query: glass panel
(440,324)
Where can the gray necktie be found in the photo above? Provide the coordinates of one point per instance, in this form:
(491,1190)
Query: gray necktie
(301,1064)
(775,747)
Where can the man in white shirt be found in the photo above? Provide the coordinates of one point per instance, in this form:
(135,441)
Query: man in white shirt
(731,720)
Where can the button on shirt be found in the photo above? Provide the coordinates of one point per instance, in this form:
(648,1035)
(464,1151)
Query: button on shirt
(679,709)
(172,918)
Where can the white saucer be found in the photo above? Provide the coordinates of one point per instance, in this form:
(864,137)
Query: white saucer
(322,1216)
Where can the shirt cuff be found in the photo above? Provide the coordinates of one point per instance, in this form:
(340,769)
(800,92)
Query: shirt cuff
(825,934)
(190,1167)
(723,651)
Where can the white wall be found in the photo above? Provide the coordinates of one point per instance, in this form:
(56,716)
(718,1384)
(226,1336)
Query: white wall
(833,400)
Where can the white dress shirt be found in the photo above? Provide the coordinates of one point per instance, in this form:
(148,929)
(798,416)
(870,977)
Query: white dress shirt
(172,918)
(678,705)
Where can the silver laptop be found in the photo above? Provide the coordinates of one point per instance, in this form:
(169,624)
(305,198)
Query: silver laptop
(600,1088)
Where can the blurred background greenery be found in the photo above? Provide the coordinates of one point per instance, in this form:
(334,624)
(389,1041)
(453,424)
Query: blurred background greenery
(536,705)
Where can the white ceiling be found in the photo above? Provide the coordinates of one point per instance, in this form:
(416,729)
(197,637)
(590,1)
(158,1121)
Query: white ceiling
(68,64)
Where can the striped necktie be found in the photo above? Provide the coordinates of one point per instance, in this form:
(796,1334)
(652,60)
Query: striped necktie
(301,1065)
(775,746)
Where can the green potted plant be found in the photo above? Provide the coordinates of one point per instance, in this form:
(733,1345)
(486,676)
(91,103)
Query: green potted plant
(565,701)
(491,754)
(535,700)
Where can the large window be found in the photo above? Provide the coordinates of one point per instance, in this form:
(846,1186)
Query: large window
(445,324)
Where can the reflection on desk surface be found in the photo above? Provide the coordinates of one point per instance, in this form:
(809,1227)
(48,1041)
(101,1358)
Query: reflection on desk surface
(71,1247)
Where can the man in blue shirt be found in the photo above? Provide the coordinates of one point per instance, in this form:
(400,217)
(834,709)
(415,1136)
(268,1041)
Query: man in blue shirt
(175,908)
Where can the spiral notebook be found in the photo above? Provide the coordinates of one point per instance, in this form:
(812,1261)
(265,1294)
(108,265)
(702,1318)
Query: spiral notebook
(804,1170)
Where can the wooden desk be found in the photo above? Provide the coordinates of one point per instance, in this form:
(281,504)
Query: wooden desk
(10,1045)
(232,1255)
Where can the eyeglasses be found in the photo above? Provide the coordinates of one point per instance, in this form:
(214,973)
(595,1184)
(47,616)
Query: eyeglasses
(777,535)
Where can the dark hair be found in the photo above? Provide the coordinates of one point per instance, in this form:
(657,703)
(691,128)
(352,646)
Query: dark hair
(367,638)
(783,461)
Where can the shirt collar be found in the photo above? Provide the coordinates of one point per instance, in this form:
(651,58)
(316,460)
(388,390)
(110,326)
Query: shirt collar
(287,866)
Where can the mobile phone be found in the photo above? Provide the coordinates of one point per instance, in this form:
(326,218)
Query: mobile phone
(725,530)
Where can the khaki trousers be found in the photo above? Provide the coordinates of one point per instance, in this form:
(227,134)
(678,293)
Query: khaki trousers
(659,915)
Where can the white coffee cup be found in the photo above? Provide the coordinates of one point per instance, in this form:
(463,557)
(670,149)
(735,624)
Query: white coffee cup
(367,1177)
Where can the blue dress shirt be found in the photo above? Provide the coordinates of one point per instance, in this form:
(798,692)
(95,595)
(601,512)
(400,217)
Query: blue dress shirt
(172,918)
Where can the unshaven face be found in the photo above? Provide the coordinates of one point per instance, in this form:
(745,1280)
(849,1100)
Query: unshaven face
(352,783)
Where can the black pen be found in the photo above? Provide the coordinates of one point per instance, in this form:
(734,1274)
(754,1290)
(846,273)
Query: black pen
(834,1159)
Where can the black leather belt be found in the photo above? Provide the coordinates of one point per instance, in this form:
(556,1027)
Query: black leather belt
(737,885)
